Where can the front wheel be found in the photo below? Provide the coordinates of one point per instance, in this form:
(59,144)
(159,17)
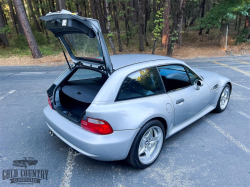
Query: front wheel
(223,100)
(147,145)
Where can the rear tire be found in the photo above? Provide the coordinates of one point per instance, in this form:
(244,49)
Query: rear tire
(147,145)
(223,100)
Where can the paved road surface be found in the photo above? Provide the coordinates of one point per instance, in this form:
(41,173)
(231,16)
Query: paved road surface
(214,151)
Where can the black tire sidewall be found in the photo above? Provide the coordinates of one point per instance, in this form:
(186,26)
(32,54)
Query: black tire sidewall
(133,157)
(218,107)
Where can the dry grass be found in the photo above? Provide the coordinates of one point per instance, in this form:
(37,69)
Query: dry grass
(51,60)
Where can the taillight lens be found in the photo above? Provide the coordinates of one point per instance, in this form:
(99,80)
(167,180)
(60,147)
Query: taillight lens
(50,104)
(97,126)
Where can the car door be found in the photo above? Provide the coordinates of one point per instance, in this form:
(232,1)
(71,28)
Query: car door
(82,38)
(186,99)
(202,94)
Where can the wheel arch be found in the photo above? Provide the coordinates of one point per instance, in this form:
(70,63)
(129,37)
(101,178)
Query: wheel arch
(163,121)
(230,84)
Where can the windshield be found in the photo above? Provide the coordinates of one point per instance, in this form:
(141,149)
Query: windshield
(82,46)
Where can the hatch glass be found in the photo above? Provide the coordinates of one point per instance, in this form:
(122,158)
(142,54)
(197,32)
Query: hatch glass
(82,46)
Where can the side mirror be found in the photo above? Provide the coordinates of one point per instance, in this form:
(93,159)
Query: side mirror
(198,84)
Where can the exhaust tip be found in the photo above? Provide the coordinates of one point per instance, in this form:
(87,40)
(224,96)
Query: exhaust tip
(51,132)
(72,150)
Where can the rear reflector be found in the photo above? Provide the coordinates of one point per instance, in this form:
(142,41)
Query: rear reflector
(96,126)
(50,104)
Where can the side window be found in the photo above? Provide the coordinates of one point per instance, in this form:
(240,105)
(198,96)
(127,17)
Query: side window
(141,83)
(82,74)
(191,75)
(174,77)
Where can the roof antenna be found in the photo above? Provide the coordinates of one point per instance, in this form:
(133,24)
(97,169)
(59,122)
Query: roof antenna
(64,54)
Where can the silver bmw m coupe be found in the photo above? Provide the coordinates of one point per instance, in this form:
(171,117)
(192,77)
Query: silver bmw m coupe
(123,106)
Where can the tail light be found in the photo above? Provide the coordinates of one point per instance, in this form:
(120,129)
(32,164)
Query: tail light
(96,126)
(50,103)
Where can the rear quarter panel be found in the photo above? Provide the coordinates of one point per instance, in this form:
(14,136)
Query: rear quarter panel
(133,113)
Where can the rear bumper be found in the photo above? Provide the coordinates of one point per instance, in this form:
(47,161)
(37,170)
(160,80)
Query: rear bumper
(110,147)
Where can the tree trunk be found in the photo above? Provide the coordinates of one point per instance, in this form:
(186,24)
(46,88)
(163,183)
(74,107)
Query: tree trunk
(108,27)
(117,26)
(192,21)
(57,5)
(155,44)
(85,9)
(222,36)
(101,16)
(247,24)
(3,38)
(27,30)
(78,8)
(236,22)
(165,30)
(12,14)
(105,12)
(141,25)
(33,16)
(53,5)
(240,19)
(42,8)
(132,12)
(147,17)
(180,33)
(37,9)
(62,5)
(178,15)
(43,25)
(154,9)
(135,3)
(202,10)
(126,22)
(93,9)
(19,24)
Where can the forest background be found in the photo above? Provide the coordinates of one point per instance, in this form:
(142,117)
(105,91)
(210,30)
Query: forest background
(178,28)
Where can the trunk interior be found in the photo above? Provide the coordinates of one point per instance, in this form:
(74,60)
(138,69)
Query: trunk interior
(75,95)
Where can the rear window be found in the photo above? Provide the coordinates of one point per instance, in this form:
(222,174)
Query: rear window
(82,46)
(140,84)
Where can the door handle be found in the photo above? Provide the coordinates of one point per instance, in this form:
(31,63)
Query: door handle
(180,101)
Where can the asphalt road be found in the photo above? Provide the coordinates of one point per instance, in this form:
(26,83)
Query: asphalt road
(214,151)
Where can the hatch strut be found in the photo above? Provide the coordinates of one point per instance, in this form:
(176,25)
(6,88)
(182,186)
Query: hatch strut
(64,54)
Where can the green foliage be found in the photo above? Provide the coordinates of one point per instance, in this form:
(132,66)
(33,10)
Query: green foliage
(225,10)
(40,38)
(109,18)
(110,34)
(158,23)
(19,41)
(241,38)
(174,37)
(5,30)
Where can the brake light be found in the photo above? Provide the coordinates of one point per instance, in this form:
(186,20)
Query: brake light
(50,104)
(96,126)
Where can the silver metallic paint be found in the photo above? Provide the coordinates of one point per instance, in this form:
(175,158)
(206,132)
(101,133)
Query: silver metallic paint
(128,116)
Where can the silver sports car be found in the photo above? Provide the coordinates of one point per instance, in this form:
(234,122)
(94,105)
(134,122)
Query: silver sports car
(123,106)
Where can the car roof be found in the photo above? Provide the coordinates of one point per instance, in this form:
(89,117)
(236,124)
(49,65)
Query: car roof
(120,61)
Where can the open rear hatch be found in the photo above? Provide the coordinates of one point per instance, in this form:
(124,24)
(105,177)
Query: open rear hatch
(77,91)
(83,40)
